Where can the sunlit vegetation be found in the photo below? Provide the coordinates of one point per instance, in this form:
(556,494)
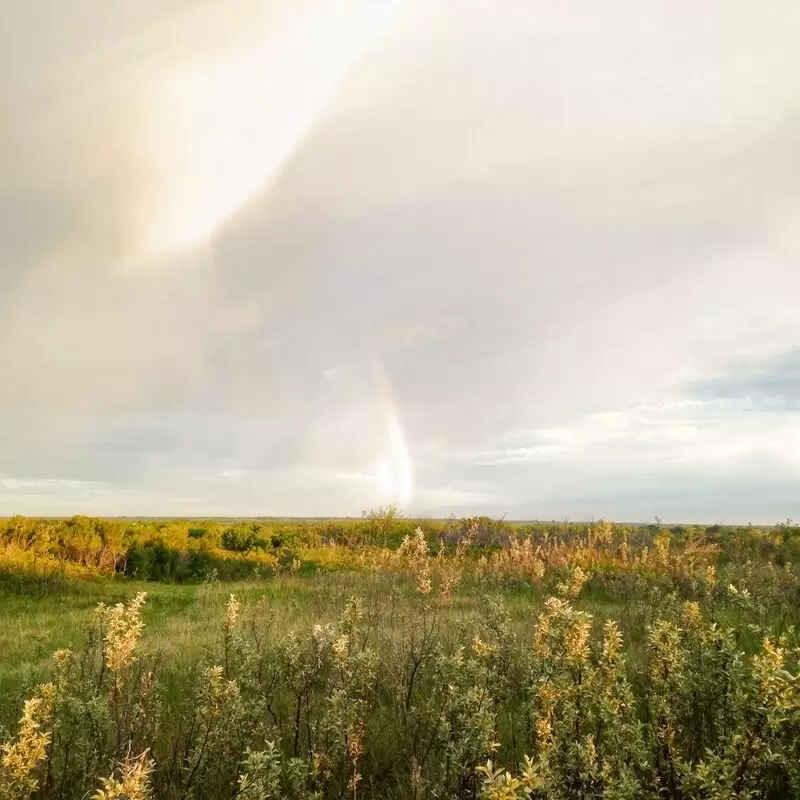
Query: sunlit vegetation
(392,658)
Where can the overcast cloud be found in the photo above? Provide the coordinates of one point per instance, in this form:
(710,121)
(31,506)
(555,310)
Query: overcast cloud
(520,258)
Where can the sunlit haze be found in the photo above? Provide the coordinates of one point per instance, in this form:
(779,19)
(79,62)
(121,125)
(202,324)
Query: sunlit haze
(218,128)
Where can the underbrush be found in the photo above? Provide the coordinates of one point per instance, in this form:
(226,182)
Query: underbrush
(596,668)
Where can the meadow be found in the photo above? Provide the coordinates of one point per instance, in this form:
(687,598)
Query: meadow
(394,658)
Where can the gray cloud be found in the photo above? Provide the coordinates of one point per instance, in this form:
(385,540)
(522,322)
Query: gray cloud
(768,384)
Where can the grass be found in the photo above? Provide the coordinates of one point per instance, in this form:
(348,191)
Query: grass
(182,620)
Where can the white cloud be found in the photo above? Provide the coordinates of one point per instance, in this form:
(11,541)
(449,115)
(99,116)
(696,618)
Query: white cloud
(55,485)
(724,438)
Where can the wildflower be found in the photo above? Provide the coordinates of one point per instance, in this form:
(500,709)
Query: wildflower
(133,782)
(541,633)
(576,641)
(355,747)
(666,652)
(482,648)
(661,544)
(612,642)
(774,683)
(624,550)
(590,751)
(711,577)
(546,699)
(353,611)
(18,759)
(742,593)
(62,659)
(217,693)
(577,581)
(123,629)
(319,762)
(605,532)
(416,550)
(544,730)
(691,616)
(231,612)
(342,647)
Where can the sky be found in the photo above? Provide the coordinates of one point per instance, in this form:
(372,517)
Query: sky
(508,257)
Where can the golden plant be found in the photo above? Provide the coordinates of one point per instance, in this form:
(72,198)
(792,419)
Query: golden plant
(123,628)
(690,614)
(451,569)
(355,749)
(572,587)
(231,612)
(216,692)
(19,758)
(133,782)
(415,549)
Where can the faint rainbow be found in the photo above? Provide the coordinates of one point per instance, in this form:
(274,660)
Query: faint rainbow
(396,473)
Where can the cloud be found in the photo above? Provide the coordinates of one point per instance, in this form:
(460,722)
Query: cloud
(54,484)
(522,232)
(769,384)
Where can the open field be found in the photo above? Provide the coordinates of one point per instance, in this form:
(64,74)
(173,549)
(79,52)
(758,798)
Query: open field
(361,659)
